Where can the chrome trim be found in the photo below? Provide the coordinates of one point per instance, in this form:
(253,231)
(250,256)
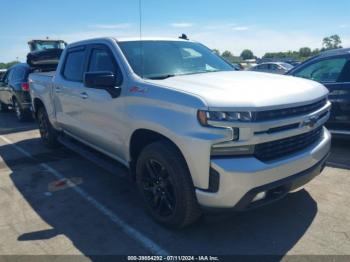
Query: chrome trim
(250,130)
(266,125)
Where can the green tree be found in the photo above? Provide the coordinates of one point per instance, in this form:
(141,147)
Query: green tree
(228,56)
(247,54)
(332,42)
(305,52)
(216,51)
(8,65)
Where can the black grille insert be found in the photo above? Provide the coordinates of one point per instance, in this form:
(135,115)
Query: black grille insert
(288,112)
(280,148)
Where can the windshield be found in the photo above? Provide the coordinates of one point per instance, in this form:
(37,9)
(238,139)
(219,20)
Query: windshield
(163,59)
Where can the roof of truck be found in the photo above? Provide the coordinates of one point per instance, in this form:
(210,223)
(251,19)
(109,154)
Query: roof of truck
(128,39)
(86,41)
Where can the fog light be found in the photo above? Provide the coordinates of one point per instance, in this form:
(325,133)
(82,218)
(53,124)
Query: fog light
(231,151)
(259,196)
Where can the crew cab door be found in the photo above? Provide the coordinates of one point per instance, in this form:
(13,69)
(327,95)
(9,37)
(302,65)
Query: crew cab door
(334,73)
(102,108)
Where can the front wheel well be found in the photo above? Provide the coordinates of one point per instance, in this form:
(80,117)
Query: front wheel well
(142,138)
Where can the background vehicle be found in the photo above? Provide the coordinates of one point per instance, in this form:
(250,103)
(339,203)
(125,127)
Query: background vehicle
(236,66)
(272,67)
(193,131)
(45,54)
(332,69)
(2,73)
(46,44)
(14,91)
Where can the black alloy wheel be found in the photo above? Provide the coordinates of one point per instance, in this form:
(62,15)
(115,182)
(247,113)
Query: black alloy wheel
(165,184)
(158,188)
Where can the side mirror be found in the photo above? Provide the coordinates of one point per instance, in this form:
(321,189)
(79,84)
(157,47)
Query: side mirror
(102,80)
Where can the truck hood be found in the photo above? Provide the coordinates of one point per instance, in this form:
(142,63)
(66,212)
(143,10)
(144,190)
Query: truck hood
(246,90)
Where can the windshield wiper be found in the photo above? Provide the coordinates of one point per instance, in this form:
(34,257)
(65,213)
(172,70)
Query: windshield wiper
(161,77)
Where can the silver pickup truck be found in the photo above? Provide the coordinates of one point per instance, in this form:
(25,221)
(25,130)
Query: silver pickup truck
(195,133)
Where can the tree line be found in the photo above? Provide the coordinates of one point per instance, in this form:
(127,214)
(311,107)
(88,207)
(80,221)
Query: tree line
(328,43)
(8,65)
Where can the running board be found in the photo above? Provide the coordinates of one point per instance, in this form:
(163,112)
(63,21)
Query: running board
(99,159)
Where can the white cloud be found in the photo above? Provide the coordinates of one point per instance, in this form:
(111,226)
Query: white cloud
(112,26)
(240,28)
(181,25)
(261,41)
(222,37)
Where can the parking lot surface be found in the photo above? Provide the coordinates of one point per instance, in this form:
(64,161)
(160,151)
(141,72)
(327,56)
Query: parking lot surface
(98,212)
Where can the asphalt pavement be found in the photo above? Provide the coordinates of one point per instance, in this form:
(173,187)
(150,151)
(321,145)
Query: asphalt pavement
(55,202)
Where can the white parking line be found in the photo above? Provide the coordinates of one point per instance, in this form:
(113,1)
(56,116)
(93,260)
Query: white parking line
(130,231)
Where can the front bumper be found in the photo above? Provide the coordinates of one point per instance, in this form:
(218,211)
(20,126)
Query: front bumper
(242,178)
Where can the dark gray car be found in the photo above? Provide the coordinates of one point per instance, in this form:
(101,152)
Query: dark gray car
(332,69)
(272,67)
(14,91)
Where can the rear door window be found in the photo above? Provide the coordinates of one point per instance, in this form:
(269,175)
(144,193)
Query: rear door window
(328,70)
(74,65)
(262,67)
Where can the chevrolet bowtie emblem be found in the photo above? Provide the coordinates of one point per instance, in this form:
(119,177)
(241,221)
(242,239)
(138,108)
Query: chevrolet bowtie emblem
(311,122)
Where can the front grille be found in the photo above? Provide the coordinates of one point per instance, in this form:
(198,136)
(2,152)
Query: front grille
(280,148)
(288,112)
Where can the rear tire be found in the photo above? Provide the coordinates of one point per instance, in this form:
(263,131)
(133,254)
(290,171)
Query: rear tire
(21,114)
(48,134)
(165,183)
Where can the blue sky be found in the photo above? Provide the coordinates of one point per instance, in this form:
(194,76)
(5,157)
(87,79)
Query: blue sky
(261,25)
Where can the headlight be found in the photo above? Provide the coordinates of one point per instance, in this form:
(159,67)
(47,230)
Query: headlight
(205,116)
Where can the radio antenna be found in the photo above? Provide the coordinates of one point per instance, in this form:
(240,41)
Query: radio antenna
(141,44)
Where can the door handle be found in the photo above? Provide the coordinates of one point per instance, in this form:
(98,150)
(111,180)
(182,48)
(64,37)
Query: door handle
(84,95)
(58,89)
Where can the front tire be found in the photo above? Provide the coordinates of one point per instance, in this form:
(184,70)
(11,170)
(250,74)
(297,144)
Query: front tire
(165,184)
(48,134)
